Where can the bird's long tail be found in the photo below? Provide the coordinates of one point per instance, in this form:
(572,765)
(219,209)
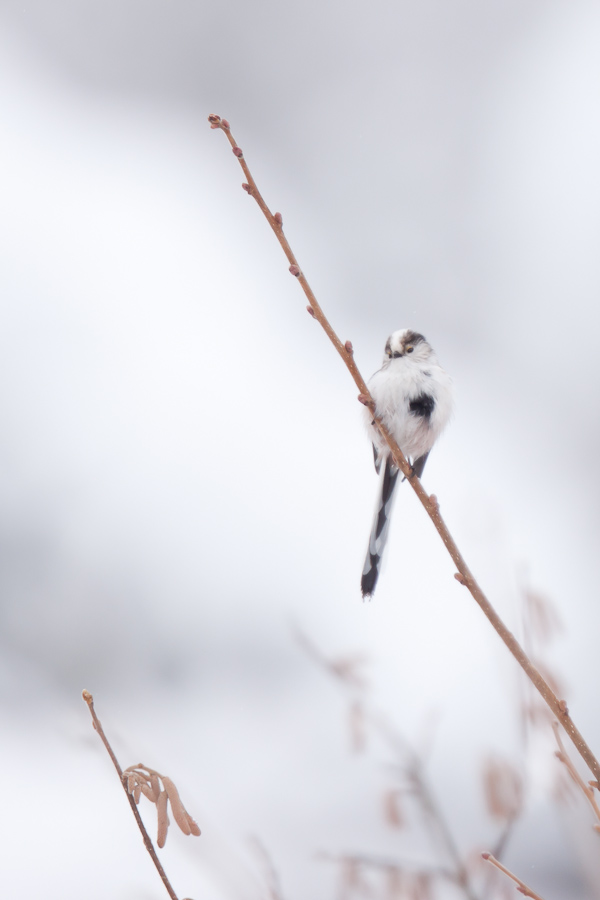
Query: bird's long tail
(379,531)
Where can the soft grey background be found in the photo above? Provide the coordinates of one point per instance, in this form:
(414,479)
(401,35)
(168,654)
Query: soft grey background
(184,476)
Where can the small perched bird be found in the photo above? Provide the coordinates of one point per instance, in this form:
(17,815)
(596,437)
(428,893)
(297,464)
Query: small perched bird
(413,398)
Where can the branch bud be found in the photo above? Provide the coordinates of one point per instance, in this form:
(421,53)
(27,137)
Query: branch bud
(215,121)
(295,271)
(247,188)
(349,348)
(460,578)
(237,151)
(278,218)
(225,124)
(310,311)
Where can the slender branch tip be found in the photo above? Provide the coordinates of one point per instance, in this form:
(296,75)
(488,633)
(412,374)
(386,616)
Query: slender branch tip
(463,576)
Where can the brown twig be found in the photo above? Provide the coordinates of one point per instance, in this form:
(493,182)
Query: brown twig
(586,789)
(521,886)
(146,837)
(464,575)
(412,766)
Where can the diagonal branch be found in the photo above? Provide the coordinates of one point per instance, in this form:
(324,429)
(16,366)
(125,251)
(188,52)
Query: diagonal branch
(430,503)
(146,837)
(521,886)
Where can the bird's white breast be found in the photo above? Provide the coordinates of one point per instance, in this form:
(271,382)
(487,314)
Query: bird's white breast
(393,387)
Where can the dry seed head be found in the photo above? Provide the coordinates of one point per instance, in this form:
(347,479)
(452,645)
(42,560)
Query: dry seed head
(421,887)
(149,793)
(155,785)
(503,788)
(142,780)
(392,811)
(545,621)
(394,886)
(358,734)
(163,819)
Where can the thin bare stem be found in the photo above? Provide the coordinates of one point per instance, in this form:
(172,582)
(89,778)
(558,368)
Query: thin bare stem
(438,826)
(521,886)
(430,503)
(412,768)
(385,863)
(271,876)
(146,837)
(586,789)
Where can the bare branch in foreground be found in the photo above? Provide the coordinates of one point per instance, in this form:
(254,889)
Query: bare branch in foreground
(139,779)
(464,574)
(521,886)
(415,783)
(586,789)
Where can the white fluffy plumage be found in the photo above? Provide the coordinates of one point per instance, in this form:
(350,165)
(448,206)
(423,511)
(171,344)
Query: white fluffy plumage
(413,397)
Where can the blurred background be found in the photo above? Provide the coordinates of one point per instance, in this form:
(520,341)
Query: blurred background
(185,481)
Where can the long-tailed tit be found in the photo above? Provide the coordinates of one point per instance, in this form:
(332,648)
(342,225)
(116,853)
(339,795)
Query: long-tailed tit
(413,398)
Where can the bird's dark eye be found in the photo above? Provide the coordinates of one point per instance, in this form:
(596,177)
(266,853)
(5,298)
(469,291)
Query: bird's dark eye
(409,349)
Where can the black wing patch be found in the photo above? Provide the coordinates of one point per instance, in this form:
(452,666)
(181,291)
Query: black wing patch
(422,406)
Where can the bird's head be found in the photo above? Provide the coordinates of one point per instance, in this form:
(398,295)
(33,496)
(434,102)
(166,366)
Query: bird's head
(407,344)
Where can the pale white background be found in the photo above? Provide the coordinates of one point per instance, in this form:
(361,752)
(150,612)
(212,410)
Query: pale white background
(184,478)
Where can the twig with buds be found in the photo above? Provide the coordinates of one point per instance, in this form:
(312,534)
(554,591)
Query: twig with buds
(138,780)
(521,886)
(464,574)
(586,789)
